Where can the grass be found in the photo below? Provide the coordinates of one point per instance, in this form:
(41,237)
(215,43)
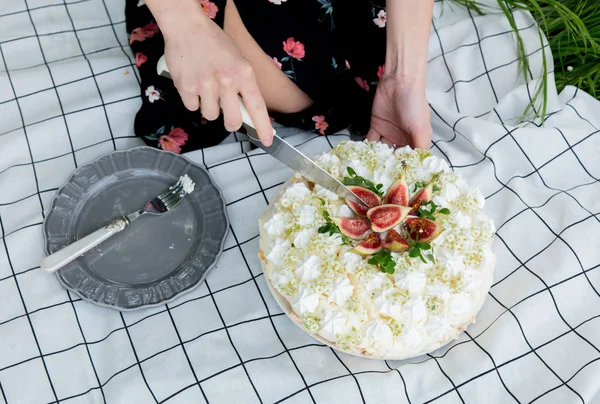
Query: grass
(572,28)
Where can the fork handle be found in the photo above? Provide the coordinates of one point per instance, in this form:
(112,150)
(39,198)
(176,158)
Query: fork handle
(62,257)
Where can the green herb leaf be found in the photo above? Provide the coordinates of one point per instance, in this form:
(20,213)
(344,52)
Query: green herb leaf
(424,246)
(444,211)
(383,259)
(362,182)
(351,171)
(414,252)
(423,259)
(418,185)
(436,188)
(430,257)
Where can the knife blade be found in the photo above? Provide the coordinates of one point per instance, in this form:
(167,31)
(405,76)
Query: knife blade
(285,152)
(300,163)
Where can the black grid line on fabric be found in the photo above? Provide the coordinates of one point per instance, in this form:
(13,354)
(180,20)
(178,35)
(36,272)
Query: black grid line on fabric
(185,353)
(401,379)
(487,72)
(231,340)
(74,112)
(577,112)
(566,381)
(40,8)
(176,346)
(483,38)
(482,57)
(66,31)
(516,358)
(137,358)
(66,83)
(256,284)
(3,394)
(543,249)
(454,388)
(25,306)
(362,397)
(543,221)
(238,365)
(509,133)
(35,176)
(57,157)
(575,155)
(495,366)
(112,25)
(94,77)
(475,337)
(535,351)
(445,63)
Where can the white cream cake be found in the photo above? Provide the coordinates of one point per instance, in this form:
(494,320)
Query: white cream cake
(343,280)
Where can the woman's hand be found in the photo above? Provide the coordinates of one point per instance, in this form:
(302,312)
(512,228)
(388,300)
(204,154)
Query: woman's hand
(400,114)
(208,69)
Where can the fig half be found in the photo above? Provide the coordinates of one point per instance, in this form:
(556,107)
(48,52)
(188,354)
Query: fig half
(395,242)
(370,245)
(366,195)
(353,227)
(384,217)
(422,230)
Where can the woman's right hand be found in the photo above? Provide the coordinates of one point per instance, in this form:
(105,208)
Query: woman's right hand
(209,72)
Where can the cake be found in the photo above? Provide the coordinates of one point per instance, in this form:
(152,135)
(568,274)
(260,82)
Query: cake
(398,280)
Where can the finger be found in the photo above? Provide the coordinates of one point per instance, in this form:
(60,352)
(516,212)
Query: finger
(232,115)
(210,103)
(422,140)
(255,104)
(388,142)
(373,136)
(190,100)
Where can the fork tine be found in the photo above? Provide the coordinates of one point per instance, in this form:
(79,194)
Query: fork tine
(173,203)
(173,194)
(169,190)
(172,190)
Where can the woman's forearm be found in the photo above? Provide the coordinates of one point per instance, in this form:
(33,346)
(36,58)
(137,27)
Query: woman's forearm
(408,25)
(173,16)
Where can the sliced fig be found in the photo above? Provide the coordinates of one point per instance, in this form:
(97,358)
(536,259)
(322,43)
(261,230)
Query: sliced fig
(370,245)
(384,217)
(395,242)
(421,229)
(424,195)
(366,195)
(353,227)
(398,192)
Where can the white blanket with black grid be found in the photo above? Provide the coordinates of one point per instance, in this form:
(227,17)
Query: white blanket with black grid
(69,92)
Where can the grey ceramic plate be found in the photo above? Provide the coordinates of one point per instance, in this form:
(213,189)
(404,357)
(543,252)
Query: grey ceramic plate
(155,259)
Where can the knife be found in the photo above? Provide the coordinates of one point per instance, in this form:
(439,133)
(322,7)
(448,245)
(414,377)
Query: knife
(285,152)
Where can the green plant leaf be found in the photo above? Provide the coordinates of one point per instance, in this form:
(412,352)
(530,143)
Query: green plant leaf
(414,253)
(444,211)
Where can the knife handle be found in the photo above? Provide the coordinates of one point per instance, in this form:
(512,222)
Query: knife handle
(62,257)
(163,70)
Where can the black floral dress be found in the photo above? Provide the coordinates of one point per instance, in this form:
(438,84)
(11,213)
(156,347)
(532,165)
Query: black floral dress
(333,50)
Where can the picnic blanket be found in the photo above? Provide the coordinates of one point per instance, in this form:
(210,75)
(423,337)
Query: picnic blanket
(68,94)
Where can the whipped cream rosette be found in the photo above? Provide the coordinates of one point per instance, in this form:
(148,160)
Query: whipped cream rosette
(395,281)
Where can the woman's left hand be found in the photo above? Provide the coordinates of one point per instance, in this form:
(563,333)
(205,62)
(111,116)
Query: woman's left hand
(400,114)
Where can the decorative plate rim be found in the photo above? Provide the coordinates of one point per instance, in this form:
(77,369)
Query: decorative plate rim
(182,292)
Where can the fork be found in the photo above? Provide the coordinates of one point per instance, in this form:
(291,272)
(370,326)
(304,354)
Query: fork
(164,202)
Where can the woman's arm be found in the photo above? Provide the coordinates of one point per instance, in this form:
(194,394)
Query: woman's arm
(408,25)
(400,114)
